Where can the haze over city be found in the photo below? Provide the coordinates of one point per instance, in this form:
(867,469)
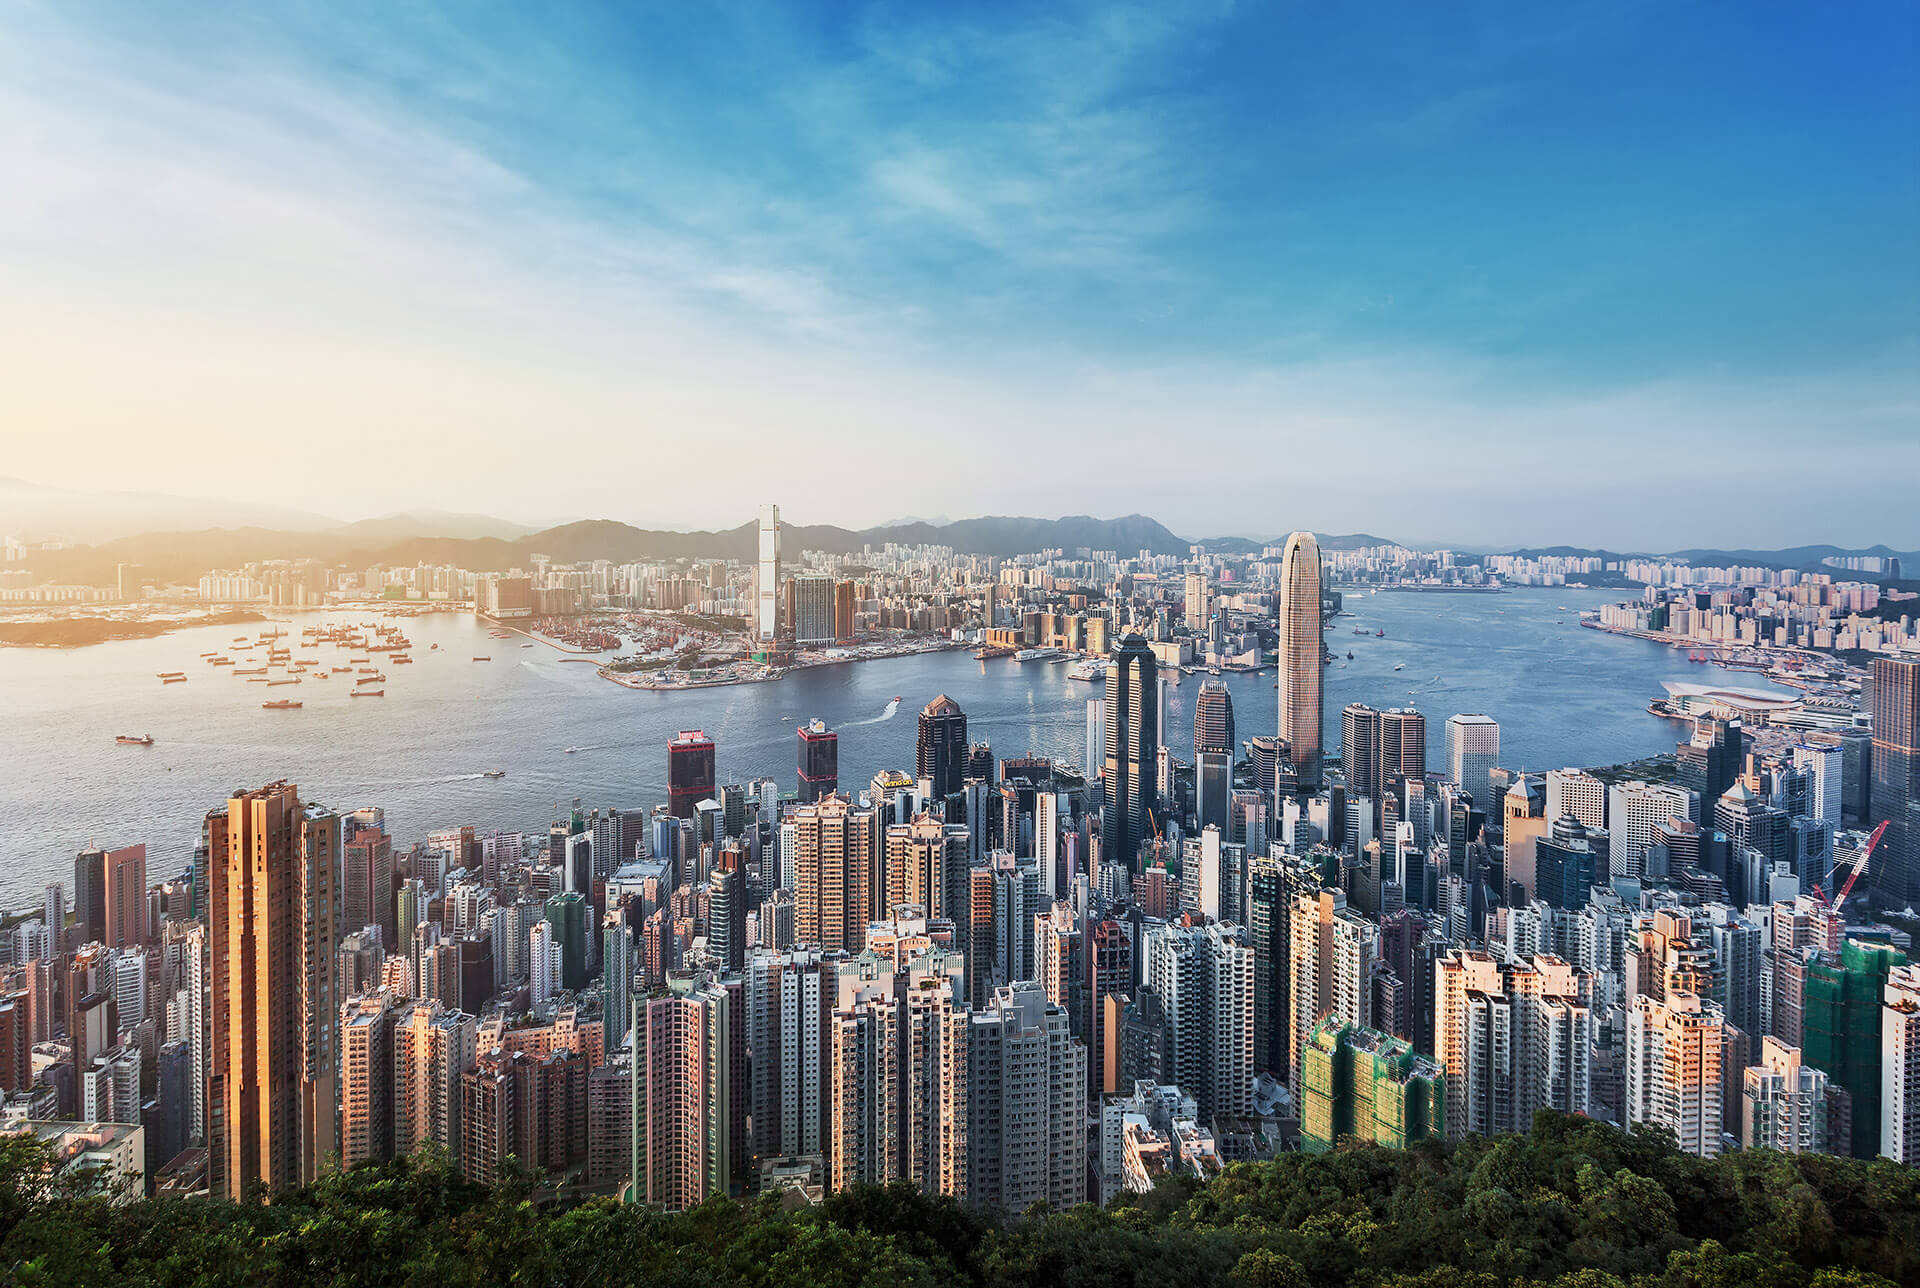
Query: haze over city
(1594,262)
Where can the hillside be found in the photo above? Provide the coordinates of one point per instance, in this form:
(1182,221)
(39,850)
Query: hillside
(1572,1204)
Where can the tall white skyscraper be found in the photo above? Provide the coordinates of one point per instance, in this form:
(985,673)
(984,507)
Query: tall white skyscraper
(1473,748)
(767,580)
(1301,704)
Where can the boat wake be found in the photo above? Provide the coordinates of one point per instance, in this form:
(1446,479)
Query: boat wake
(887,713)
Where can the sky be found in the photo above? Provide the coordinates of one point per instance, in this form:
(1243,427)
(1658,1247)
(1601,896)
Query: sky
(1624,274)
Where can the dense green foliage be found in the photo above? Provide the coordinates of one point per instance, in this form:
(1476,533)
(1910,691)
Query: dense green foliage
(1573,1204)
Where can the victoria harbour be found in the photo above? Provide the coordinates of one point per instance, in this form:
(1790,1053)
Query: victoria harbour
(1563,695)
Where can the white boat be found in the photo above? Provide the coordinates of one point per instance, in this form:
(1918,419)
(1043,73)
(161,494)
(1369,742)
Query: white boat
(1092,669)
(1036,654)
(571,750)
(1399,666)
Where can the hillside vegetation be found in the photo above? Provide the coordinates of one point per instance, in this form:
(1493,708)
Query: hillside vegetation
(1572,1204)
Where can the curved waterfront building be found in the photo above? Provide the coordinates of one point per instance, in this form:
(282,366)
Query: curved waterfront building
(1300,647)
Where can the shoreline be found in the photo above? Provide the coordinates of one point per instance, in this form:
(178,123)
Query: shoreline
(651,681)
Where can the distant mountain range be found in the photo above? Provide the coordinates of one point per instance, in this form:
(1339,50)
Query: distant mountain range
(171,550)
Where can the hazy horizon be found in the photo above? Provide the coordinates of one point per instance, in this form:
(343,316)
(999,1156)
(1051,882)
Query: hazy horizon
(1626,277)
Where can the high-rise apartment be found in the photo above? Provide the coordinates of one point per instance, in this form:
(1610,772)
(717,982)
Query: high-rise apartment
(1025,1088)
(1301,704)
(274,921)
(834,873)
(689,1092)
(110,897)
(1674,1049)
(1203,978)
(1900,1065)
(1514,1037)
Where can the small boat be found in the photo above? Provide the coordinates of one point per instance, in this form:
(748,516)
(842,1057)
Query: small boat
(526,646)
(1380,633)
(572,750)
(435,647)
(1349,655)
(282,705)
(494,773)
(369,693)
(1399,666)
(129,740)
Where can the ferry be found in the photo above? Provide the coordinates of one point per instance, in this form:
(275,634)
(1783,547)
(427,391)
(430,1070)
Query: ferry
(369,693)
(129,740)
(1036,654)
(282,705)
(1091,669)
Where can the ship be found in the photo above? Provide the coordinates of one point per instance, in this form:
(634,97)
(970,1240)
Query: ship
(1091,669)
(129,740)
(494,773)
(1380,634)
(171,675)
(1036,655)
(1349,655)
(282,705)
(369,693)
(1399,666)
(274,683)
(483,659)
(572,750)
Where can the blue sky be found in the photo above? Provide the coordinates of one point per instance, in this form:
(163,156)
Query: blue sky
(1629,274)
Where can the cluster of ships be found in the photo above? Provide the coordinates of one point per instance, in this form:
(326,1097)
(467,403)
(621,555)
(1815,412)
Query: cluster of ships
(274,661)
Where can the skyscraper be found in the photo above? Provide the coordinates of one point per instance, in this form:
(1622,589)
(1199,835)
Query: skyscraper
(1133,736)
(1473,748)
(1513,1037)
(812,608)
(1025,1088)
(1213,747)
(940,756)
(1203,978)
(767,576)
(1674,1049)
(366,893)
(1900,1065)
(1300,649)
(834,866)
(274,922)
(819,761)
(110,897)
(689,772)
(1894,798)
(689,1092)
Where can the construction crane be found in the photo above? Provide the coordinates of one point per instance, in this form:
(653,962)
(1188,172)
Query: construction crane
(1859,866)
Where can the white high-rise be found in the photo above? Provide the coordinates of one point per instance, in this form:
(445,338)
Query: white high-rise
(1783,1102)
(1576,792)
(1473,749)
(1203,976)
(767,576)
(1823,766)
(1301,705)
(1674,1049)
(1900,1065)
(1513,1038)
(1634,809)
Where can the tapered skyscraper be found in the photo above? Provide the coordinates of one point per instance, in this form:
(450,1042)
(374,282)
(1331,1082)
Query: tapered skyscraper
(1300,647)
(1133,737)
